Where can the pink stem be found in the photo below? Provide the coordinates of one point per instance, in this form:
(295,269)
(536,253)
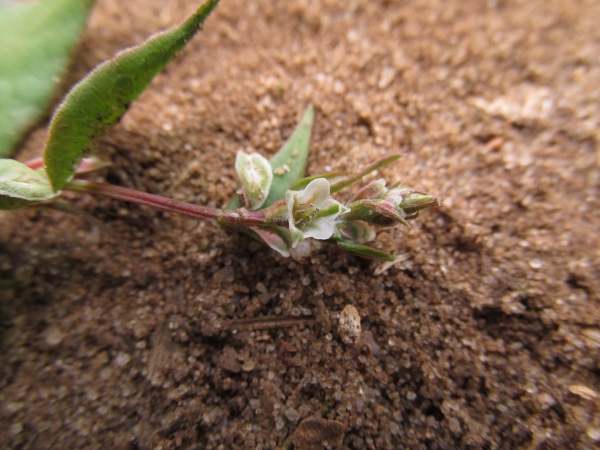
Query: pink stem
(35,163)
(166,204)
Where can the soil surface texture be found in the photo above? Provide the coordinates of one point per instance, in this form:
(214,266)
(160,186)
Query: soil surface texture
(145,330)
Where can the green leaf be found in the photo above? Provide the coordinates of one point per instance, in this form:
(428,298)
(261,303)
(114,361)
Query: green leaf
(338,186)
(289,163)
(364,251)
(36,40)
(332,177)
(103,96)
(20,185)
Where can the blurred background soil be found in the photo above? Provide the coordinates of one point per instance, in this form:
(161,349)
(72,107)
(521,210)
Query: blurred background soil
(155,331)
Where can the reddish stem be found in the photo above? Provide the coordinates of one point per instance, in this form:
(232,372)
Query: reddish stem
(35,163)
(239,216)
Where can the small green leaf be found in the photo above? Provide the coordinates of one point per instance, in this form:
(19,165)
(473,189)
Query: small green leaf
(36,39)
(364,251)
(363,172)
(289,163)
(103,96)
(21,185)
(256,176)
(332,177)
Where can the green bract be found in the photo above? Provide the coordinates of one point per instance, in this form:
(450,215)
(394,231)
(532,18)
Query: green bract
(103,96)
(256,176)
(36,39)
(364,250)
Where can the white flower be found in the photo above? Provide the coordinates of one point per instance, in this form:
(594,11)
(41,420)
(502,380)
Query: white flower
(312,212)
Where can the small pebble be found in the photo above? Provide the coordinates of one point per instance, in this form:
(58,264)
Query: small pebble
(535,264)
(592,337)
(583,391)
(546,400)
(122,359)
(349,326)
(260,287)
(594,433)
(53,336)
(292,415)
(249,366)
(317,434)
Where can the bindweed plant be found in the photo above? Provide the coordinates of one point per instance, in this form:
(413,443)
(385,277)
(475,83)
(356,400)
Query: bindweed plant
(276,203)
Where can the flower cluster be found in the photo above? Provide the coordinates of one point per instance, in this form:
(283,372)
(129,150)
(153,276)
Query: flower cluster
(313,213)
(309,211)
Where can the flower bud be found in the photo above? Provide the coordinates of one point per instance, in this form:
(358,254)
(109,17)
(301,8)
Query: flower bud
(415,201)
(392,209)
(375,189)
(256,176)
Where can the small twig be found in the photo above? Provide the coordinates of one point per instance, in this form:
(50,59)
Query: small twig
(266,323)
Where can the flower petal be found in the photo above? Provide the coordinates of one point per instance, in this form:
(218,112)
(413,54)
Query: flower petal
(321,228)
(316,192)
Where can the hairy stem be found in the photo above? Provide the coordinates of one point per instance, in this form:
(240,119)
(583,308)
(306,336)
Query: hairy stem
(235,217)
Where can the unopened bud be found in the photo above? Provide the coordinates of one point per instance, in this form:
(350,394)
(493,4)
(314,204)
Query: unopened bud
(416,201)
(394,208)
(375,189)
(256,176)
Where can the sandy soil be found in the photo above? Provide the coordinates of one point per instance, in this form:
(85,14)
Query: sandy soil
(154,331)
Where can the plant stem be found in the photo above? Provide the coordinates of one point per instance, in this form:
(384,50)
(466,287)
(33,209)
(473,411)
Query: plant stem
(235,217)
